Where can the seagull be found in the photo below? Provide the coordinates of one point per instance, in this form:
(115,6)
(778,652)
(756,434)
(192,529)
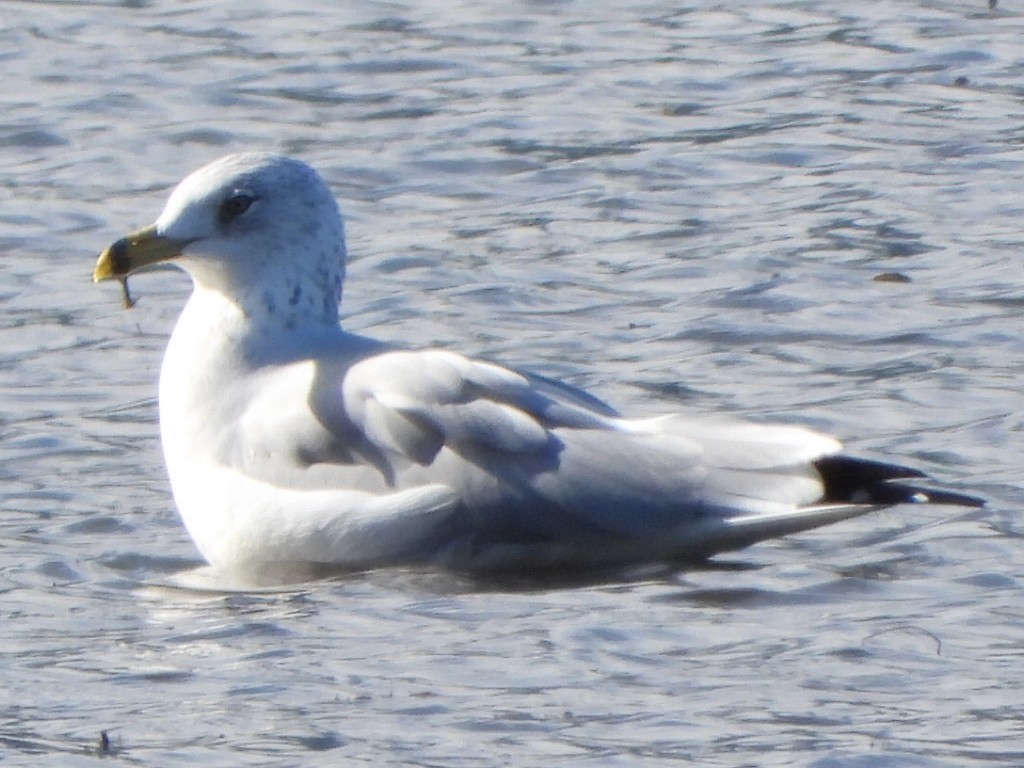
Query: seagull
(291,443)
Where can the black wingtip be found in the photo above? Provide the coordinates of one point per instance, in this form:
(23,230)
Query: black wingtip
(861,481)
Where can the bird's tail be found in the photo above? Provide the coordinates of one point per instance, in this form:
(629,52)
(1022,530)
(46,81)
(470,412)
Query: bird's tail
(853,487)
(860,481)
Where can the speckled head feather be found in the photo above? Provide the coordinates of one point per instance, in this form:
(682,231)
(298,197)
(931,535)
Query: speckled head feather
(235,219)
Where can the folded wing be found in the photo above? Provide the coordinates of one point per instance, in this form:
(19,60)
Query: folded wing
(535,471)
(525,453)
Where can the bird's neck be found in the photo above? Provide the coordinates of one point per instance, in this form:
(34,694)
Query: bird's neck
(216,339)
(249,325)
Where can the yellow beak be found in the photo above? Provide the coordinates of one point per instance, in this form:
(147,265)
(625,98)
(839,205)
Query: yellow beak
(135,251)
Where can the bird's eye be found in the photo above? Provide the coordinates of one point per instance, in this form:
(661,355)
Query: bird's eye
(235,206)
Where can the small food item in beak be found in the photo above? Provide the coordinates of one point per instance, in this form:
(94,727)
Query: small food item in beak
(129,302)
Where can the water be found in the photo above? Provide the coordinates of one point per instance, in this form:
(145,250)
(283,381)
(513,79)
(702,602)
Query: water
(676,206)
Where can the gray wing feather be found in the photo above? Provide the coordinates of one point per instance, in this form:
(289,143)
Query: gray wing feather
(524,452)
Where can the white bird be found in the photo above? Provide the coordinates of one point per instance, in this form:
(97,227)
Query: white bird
(292,443)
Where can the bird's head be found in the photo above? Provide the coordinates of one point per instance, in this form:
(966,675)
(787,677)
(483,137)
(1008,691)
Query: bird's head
(262,229)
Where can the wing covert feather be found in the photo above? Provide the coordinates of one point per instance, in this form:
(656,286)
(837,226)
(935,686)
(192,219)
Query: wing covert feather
(415,403)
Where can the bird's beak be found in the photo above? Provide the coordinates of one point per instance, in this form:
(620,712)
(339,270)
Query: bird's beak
(135,251)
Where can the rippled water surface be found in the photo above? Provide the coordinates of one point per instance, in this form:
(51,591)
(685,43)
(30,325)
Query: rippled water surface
(801,211)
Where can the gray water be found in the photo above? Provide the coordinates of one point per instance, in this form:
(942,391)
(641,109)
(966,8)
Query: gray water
(802,211)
